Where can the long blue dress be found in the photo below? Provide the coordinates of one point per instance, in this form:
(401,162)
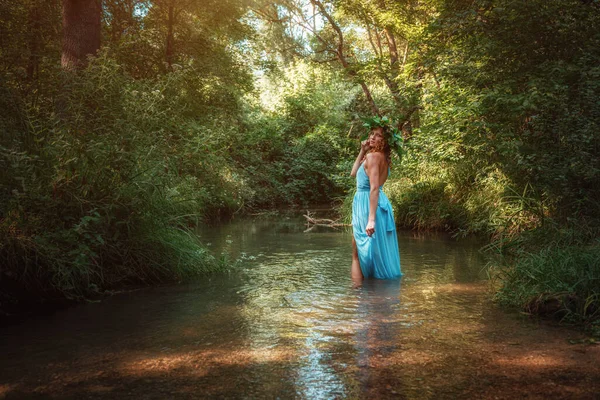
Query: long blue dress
(378,254)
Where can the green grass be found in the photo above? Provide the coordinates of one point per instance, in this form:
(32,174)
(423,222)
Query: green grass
(558,281)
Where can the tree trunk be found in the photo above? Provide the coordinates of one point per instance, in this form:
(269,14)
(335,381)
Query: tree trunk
(81,32)
(34,41)
(394,68)
(116,21)
(391,40)
(169,47)
(370,99)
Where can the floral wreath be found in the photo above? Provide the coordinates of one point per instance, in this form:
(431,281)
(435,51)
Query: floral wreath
(391,134)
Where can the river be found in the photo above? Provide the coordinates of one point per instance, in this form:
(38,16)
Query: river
(287,322)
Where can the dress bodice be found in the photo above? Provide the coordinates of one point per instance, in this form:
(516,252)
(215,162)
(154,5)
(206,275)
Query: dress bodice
(362,179)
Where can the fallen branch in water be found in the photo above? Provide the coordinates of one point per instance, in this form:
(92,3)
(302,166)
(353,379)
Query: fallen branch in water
(311,222)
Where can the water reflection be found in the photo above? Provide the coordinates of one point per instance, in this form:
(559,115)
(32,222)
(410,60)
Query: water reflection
(379,309)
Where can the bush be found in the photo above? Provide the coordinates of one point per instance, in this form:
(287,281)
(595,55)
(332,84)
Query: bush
(102,193)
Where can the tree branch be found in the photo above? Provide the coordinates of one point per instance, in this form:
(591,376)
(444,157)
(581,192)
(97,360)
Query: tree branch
(371,39)
(342,57)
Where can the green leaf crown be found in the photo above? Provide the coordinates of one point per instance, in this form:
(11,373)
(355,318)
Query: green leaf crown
(391,133)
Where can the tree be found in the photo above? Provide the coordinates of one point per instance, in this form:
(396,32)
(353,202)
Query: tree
(81,31)
(369,40)
(337,49)
(301,23)
(122,18)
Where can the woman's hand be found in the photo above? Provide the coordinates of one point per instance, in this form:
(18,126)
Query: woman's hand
(365,146)
(370,229)
(364,149)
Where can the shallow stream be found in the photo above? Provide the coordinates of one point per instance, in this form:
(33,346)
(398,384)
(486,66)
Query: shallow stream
(288,322)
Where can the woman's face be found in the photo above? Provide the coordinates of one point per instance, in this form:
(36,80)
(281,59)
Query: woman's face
(376,138)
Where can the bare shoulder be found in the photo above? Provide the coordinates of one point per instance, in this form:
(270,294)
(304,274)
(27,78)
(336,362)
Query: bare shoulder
(375,158)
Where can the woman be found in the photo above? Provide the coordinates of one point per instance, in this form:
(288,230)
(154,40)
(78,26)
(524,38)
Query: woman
(375,244)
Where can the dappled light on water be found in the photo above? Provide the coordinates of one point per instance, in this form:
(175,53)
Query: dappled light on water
(223,357)
(534,360)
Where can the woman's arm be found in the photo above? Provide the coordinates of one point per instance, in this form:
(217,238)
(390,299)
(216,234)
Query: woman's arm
(374,162)
(364,147)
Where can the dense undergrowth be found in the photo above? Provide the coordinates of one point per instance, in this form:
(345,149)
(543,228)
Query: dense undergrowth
(103,184)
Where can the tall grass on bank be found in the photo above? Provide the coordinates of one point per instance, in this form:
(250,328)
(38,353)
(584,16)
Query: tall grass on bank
(561,281)
(447,196)
(552,270)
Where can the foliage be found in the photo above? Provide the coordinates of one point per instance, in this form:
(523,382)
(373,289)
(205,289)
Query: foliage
(511,104)
(103,180)
(530,92)
(104,194)
(293,142)
(506,139)
(392,134)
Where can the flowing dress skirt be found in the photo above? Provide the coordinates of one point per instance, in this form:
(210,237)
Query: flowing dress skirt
(378,254)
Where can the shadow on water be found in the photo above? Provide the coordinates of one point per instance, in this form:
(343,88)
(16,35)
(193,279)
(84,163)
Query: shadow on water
(287,323)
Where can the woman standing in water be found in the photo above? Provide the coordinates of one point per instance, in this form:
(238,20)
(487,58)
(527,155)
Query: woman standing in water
(375,243)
